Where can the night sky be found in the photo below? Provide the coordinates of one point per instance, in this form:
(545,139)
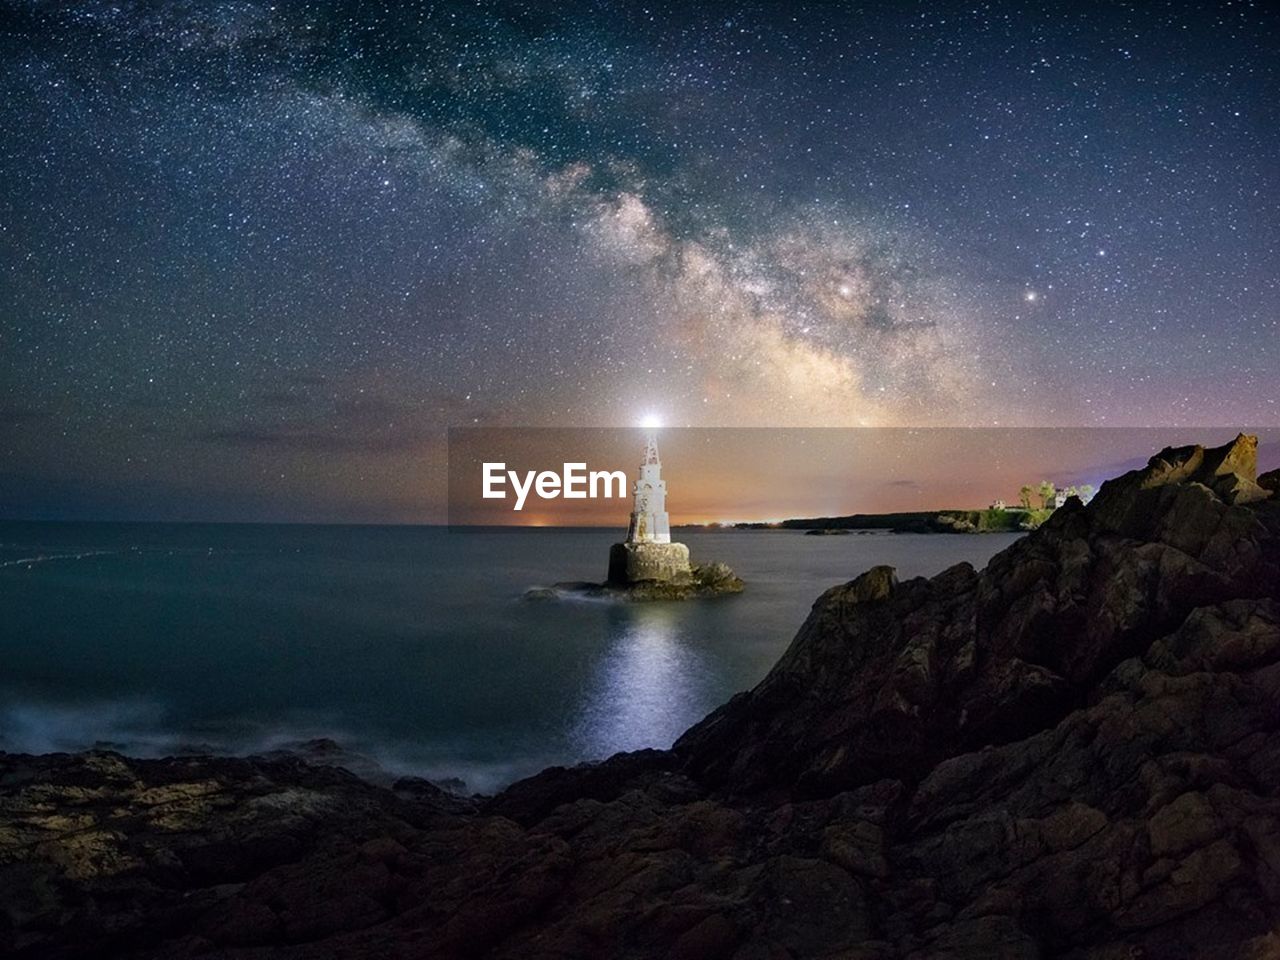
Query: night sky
(255,258)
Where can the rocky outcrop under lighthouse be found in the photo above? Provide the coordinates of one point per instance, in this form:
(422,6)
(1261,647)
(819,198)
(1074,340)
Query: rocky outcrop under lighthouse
(644,570)
(650,571)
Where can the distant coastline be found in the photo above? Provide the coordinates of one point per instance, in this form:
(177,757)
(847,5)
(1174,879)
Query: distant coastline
(924,521)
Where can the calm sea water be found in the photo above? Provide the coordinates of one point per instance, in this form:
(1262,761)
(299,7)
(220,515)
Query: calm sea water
(411,645)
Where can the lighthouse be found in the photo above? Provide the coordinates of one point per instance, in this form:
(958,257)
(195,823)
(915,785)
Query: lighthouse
(648,553)
(649,522)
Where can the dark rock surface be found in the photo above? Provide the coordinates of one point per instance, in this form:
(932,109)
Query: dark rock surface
(1073,753)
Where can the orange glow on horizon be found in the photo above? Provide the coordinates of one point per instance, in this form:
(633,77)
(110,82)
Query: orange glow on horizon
(756,475)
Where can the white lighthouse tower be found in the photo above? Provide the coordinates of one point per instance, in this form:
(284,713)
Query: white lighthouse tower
(649,522)
(648,553)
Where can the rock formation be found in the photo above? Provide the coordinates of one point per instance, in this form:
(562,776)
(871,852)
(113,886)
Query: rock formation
(1072,753)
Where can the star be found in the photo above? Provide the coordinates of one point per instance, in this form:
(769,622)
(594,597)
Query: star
(260,239)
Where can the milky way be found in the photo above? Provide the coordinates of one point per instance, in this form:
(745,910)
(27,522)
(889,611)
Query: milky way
(255,258)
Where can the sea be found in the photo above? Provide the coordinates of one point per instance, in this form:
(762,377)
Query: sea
(411,647)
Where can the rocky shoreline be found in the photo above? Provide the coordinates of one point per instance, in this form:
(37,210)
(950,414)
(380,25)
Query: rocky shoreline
(1072,753)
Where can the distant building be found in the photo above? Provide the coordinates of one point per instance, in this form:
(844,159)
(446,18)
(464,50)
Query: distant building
(998,505)
(1060,499)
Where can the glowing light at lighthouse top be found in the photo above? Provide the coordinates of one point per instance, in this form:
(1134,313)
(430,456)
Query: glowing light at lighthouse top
(649,521)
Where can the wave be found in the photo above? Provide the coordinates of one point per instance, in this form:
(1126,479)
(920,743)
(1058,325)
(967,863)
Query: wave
(571,594)
(51,728)
(139,728)
(45,558)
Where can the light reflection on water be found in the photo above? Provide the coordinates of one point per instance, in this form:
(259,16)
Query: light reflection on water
(409,645)
(648,684)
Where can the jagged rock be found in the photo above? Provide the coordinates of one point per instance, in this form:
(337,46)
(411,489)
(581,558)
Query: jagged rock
(1072,753)
(966,659)
(717,577)
(1230,471)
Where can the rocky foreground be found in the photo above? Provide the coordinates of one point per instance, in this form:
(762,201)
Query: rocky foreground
(1073,753)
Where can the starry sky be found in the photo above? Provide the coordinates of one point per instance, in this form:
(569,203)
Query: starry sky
(256,258)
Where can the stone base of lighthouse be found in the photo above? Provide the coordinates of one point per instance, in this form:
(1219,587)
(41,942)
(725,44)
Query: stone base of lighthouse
(635,561)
